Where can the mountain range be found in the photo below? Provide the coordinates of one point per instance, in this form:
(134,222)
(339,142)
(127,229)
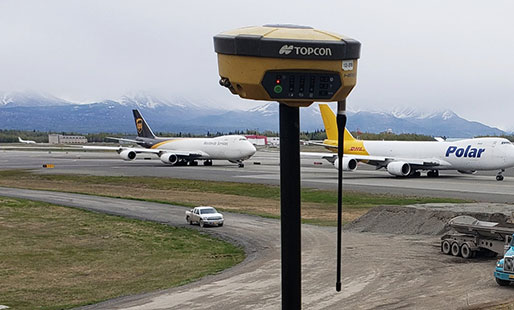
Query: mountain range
(43,112)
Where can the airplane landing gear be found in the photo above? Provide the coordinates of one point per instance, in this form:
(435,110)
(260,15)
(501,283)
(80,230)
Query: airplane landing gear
(415,174)
(193,163)
(241,164)
(499,176)
(207,162)
(433,173)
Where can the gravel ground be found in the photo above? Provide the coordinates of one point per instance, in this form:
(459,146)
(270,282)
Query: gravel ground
(426,219)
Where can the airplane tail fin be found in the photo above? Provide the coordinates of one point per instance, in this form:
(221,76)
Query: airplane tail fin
(329,120)
(348,136)
(143,130)
(20,140)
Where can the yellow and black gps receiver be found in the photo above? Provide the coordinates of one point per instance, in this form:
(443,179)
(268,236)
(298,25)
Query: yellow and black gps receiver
(295,65)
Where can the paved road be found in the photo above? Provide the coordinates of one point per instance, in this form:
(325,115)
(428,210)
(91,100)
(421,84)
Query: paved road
(481,187)
(380,271)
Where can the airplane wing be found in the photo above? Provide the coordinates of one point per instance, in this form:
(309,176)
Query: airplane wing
(122,139)
(321,144)
(379,161)
(331,157)
(159,152)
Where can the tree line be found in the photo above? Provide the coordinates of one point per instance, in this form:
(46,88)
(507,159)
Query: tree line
(11,136)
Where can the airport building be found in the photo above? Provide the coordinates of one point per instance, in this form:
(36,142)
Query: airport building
(257,140)
(62,139)
(273,141)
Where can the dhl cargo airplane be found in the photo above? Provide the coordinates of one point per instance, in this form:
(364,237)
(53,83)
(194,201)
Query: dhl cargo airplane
(408,158)
(26,141)
(183,151)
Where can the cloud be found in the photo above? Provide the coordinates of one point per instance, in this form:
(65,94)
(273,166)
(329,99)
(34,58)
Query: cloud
(456,55)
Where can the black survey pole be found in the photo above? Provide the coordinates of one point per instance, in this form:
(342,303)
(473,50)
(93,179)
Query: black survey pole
(290,206)
(341,123)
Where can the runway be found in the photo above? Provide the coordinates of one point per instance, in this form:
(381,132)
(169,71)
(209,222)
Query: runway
(264,168)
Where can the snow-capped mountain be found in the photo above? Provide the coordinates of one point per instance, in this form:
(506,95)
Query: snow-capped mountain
(416,113)
(36,111)
(150,101)
(30,99)
(434,123)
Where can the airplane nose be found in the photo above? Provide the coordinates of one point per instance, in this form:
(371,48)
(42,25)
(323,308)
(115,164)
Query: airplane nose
(250,149)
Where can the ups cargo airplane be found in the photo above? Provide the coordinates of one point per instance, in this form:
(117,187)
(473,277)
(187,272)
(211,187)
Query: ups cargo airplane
(408,158)
(183,151)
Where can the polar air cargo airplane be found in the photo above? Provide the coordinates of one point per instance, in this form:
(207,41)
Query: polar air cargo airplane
(183,151)
(408,158)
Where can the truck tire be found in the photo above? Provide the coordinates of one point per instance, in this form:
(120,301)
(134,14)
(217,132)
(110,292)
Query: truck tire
(189,220)
(455,249)
(202,223)
(446,247)
(491,254)
(502,282)
(465,251)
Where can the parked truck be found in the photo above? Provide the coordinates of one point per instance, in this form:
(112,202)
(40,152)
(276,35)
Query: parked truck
(204,216)
(504,273)
(474,236)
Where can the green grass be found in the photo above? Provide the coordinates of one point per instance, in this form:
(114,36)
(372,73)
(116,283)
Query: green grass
(318,206)
(55,257)
(350,199)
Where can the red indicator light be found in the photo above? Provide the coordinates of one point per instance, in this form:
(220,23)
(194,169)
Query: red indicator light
(278,81)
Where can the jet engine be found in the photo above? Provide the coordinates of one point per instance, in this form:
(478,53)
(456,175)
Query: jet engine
(399,168)
(167,158)
(349,164)
(128,155)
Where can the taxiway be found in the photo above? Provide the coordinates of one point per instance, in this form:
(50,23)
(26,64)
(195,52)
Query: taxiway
(264,168)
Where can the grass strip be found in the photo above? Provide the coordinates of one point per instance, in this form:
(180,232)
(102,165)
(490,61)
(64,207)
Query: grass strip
(230,188)
(318,206)
(55,257)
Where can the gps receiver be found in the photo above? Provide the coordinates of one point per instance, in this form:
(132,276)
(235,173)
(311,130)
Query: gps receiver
(295,65)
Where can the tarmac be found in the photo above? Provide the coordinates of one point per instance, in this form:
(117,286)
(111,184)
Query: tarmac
(264,168)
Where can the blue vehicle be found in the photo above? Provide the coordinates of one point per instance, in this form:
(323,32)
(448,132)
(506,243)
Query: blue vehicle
(504,273)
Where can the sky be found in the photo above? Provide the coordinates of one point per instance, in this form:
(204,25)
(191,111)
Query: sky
(456,55)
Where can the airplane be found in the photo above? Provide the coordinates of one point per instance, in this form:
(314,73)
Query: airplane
(409,158)
(182,151)
(26,141)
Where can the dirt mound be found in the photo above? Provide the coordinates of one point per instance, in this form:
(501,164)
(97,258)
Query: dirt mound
(426,219)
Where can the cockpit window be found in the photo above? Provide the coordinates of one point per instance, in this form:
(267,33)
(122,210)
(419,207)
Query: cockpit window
(506,142)
(242,139)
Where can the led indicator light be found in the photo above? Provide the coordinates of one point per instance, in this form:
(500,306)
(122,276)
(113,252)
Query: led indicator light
(277,89)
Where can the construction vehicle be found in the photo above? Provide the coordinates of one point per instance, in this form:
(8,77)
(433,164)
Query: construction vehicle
(474,236)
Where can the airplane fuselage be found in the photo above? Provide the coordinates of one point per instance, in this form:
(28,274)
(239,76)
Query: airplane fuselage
(469,154)
(231,147)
